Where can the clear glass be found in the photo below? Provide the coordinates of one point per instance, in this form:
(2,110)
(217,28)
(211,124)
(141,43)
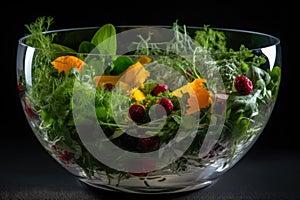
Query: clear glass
(78,102)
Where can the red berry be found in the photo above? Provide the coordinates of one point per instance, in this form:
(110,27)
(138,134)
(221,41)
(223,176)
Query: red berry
(243,85)
(53,147)
(166,104)
(20,88)
(29,111)
(159,88)
(109,86)
(66,157)
(148,143)
(137,113)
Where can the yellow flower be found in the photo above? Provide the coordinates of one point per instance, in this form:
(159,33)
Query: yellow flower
(138,95)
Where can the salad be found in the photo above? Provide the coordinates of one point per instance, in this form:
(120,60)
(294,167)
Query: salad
(142,99)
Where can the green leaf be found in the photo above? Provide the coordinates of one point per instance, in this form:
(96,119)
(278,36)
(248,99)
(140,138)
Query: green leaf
(211,39)
(116,134)
(61,48)
(105,39)
(101,113)
(243,104)
(86,47)
(260,79)
(275,80)
(121,64)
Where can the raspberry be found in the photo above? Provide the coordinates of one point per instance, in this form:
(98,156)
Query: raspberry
(66,157)
(137,113)
(148,143)
(243,85)
(109,86)
(159,88)
(166,104)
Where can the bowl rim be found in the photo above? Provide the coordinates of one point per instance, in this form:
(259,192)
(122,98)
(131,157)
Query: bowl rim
(275,40)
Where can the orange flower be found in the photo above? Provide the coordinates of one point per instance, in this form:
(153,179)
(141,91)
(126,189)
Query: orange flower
(145,60)
(66,63)
(199,95)
(133,77)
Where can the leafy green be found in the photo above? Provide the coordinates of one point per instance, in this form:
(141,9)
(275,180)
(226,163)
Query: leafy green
(51,93)
(212,40)
(121,64)
(274,84)
(105,40)
(86,47)
(62,48)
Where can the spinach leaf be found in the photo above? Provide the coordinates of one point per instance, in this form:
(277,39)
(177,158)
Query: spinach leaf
(61,48)
(105,39)
(273,86)
(121,64)
(86,47)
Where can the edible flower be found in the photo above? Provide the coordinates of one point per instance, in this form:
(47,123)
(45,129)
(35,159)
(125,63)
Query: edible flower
(66,63)
(133,77)
(199,96)
(138,95)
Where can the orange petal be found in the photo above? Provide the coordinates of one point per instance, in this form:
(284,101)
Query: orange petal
(145,60)
(66,63)
(199,95)
(99,80)
(134,76)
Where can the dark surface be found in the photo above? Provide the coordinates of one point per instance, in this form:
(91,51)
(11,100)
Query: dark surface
(270,170)
(28,172)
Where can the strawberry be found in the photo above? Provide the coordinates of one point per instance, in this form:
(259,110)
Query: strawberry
(243,85)
(159,88)
(137,112)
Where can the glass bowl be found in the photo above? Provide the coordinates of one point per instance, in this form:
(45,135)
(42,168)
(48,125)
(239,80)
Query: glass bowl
(147,109)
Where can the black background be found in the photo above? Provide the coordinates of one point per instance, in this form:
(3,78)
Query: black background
(255,16)
(280,134)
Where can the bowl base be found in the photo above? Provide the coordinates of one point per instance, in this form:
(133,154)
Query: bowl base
(147,190)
